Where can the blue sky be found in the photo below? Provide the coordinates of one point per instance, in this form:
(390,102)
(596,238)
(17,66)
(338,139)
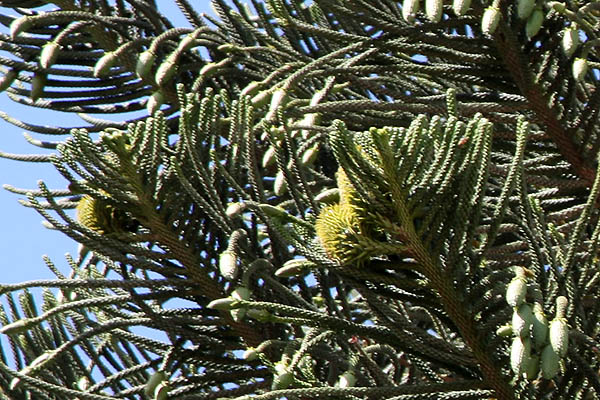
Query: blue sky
(23,238)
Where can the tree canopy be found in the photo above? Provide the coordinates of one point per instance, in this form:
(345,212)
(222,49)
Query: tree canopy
(311,199)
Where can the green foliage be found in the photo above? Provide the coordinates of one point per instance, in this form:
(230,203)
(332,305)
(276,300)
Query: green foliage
(330,199)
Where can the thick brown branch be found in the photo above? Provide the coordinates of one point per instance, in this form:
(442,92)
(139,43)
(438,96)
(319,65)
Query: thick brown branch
(539,103)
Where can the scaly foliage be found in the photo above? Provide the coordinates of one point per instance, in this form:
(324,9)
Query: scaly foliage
(329,199)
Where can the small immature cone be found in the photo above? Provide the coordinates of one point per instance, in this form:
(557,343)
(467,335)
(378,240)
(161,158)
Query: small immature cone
(539,327)
(155,101)
(162,391)
(434,9)
(559,329)
(570,40)
(228,265)
(533,367)
(37,86)
(490,19)
(7,79)
(19,25)
(549,362)
(154,381)
(522,320)
(516,291)
(104,64)
(347,379)
(269,157)
(520,355)
(524,8)
(580,68)
(460,7)
(534,22)
(144,63)
(280,184)
(49,54)
(505,331)
(166,71)
(410,8)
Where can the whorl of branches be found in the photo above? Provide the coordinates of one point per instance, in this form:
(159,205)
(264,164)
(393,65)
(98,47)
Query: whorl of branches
(329,200)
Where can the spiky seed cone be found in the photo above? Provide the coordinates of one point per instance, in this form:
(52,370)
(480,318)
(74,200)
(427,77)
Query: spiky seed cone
(90,215)
(336,227)
(348,194)
(99,216)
